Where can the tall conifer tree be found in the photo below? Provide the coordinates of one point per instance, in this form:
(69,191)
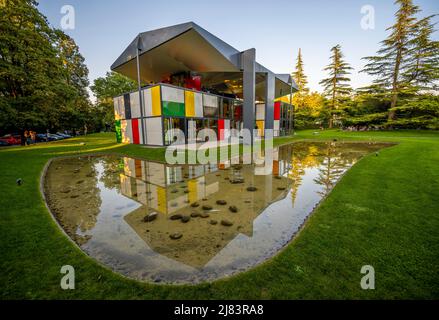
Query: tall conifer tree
(393,59)
(336,85)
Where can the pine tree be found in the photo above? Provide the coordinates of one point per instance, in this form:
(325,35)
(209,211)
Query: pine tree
(393,59)
(423,70)
(301,82)
(337,85)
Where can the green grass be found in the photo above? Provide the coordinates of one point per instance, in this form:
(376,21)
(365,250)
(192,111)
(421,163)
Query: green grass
(384,212)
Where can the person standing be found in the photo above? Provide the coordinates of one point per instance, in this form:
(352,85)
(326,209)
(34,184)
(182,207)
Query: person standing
(33,136)
(26,138)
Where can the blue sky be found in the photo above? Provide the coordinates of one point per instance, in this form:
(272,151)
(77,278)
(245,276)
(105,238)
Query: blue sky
(276,28)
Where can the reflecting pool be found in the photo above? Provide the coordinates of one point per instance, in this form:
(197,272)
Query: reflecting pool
(191,223)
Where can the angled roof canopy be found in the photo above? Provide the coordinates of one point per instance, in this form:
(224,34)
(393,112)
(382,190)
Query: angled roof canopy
(188,47)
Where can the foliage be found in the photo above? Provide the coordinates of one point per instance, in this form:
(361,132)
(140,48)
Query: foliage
(43,77)
(336,86)
(108,87)
(408,58)
(301,82)
(418,113)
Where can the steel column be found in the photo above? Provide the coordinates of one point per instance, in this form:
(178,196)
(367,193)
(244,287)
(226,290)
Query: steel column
(249,78)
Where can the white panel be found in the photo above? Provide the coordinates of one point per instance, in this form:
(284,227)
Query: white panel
(153,200)
(211,188)
(156,173)
(192,132)
(119,108)
(129,167)
(141,192)
(153,127)
(135,104)
(172,94)
(226,129)
(210,101)
(127,132)
(147,100)
(125,185)
(276,128)
(260,112)
(140,132)
(122,107)
(198,101)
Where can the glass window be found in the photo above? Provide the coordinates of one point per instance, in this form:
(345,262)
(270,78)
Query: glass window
(210,105)
(226,110)
(171,127)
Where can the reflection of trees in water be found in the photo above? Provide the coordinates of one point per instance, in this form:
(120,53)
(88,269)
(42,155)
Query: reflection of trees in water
(330,170)
(333,165)
(110,176)
(73,195)
(302,157)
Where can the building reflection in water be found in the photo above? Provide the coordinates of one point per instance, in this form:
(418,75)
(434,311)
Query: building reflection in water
(101,202)
(175,190)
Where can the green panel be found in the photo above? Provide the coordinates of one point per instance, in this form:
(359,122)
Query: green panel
(171,108)
(118,127)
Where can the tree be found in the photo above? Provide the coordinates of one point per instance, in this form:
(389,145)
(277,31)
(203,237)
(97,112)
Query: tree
(393,59)
(301,82)
(41,71)
(108,87)
(337,84)
(423,69)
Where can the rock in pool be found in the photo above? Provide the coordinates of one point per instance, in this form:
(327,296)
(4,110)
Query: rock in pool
(221,202)
(150,217)
(233,209)
(226,223)
(195,214)
(175,236)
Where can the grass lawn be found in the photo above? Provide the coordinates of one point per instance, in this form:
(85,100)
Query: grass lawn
(384,212)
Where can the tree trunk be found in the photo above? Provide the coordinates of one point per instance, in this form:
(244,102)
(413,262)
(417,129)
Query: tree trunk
(395,83)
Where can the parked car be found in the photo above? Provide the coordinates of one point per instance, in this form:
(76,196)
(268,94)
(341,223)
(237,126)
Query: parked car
(55,136)
(3,143)
(42,137)
(64,135)
(11,139)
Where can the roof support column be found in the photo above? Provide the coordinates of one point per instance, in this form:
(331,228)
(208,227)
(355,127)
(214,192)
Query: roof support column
(249,80)
(269,101)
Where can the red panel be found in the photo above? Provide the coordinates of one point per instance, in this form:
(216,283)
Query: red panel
(238,113)
(220,129)
(135,128)
(193,82)
(277,110)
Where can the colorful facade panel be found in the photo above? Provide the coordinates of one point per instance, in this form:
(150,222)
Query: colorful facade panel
(173,102)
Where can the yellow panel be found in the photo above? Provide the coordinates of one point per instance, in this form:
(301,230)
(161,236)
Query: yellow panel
(193,193)
(162,203)
(156,101)
(189,101)
(260,124)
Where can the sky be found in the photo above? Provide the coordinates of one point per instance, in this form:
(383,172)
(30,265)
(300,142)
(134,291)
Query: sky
(275,28)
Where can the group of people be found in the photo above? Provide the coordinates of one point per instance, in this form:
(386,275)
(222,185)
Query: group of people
(30,137)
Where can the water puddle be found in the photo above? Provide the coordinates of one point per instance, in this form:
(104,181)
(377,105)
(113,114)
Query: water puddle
(191,223)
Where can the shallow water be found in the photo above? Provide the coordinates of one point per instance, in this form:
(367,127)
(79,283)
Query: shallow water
(101,202)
